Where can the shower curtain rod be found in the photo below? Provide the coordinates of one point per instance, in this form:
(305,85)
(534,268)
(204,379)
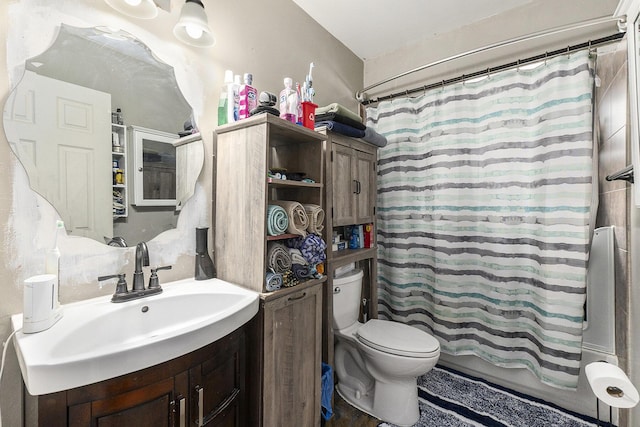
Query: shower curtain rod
(361,94)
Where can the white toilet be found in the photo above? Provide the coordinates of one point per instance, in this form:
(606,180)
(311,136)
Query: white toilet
(377,363)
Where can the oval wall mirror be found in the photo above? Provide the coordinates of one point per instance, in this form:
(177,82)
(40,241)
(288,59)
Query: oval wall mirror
(82,156)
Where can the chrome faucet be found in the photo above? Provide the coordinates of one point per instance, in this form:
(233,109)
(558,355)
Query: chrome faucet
(142,260)
(138,290)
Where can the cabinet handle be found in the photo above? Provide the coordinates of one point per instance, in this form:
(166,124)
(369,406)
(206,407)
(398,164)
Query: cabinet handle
(200,391)
(355,181)
(202,421)
(182,419)
(358,188)
(304,294)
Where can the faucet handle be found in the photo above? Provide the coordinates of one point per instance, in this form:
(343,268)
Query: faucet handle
(121,286)
(153,279)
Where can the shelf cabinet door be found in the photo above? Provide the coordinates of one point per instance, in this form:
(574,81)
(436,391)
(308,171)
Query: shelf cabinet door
(366,187)
(344,185)
(354,186)
(292,359)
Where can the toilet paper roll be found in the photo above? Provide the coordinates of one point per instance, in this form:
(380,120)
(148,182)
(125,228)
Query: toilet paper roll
(611,385)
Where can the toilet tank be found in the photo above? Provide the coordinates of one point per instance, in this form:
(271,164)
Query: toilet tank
(346,299)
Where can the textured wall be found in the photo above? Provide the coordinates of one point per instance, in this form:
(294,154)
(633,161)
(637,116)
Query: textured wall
(248,40)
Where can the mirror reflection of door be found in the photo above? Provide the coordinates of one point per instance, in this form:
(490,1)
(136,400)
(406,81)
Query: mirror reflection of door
(62,131)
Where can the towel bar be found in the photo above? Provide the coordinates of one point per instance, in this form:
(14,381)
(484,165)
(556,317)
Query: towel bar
(625,174)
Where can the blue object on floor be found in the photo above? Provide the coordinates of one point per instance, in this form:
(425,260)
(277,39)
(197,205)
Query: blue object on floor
(327,391)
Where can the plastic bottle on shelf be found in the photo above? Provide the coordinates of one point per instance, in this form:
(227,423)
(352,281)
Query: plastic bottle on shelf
(234,99)
(248,97)
(289,101)
(223,101)
(119,117)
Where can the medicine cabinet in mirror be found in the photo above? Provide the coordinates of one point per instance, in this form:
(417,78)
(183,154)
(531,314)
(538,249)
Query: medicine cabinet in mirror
(154,168)
(58,121)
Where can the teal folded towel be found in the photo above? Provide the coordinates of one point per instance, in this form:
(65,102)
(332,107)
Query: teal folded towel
(277,220)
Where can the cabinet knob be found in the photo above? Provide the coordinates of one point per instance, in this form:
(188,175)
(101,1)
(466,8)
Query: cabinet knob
(336,290)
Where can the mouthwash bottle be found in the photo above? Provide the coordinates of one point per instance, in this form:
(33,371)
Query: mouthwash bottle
(248,97)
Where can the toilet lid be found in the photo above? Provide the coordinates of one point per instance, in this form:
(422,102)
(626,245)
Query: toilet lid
(398,338)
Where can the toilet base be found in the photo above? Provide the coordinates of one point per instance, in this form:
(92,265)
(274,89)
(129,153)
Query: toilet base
(395,402)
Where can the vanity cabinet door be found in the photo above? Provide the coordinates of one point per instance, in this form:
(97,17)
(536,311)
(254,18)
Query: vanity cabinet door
(146,406)
(217,387)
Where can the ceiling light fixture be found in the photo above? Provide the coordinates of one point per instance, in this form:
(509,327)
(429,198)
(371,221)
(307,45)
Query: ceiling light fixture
(192,27)
(142,9)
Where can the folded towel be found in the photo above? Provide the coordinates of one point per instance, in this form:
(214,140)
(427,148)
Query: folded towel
(340,119)
(277,220)
(298,220)
(341,128)
(373,137)
(312,248)
(289,279)
(302,272)
(274,281)
(296,257)
(338,109)
(315,214)
(278,259)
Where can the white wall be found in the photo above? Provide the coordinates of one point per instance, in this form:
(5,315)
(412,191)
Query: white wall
(514,23)
(248,40)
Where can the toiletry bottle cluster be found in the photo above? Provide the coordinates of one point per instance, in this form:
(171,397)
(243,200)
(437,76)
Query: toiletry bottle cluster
(236,99)
(293,101)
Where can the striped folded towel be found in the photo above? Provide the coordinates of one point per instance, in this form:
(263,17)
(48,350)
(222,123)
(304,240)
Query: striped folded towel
(298,220)
(278,259)
(315,214)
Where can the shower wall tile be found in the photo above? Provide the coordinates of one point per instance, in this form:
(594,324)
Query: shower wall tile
(613,157)
(618,99)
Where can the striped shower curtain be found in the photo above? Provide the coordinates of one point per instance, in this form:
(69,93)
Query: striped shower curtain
(484,194)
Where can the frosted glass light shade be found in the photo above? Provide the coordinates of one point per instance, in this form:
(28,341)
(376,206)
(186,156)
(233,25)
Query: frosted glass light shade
(142,9)
(192,27)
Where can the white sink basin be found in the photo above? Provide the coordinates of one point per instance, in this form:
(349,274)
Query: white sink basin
(96,339)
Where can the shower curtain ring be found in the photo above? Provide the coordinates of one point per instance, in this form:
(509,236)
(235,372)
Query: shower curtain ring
(568,51)
(546,55)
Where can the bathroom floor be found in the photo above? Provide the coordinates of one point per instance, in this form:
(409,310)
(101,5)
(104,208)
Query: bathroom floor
(345,415)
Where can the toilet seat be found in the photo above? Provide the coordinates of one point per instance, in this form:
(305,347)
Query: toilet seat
(398,338)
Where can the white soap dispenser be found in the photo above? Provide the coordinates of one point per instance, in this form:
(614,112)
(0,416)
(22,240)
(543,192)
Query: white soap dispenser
(40,311)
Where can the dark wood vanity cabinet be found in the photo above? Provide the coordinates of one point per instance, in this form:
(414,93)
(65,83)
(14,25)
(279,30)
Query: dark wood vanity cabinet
(205,387)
